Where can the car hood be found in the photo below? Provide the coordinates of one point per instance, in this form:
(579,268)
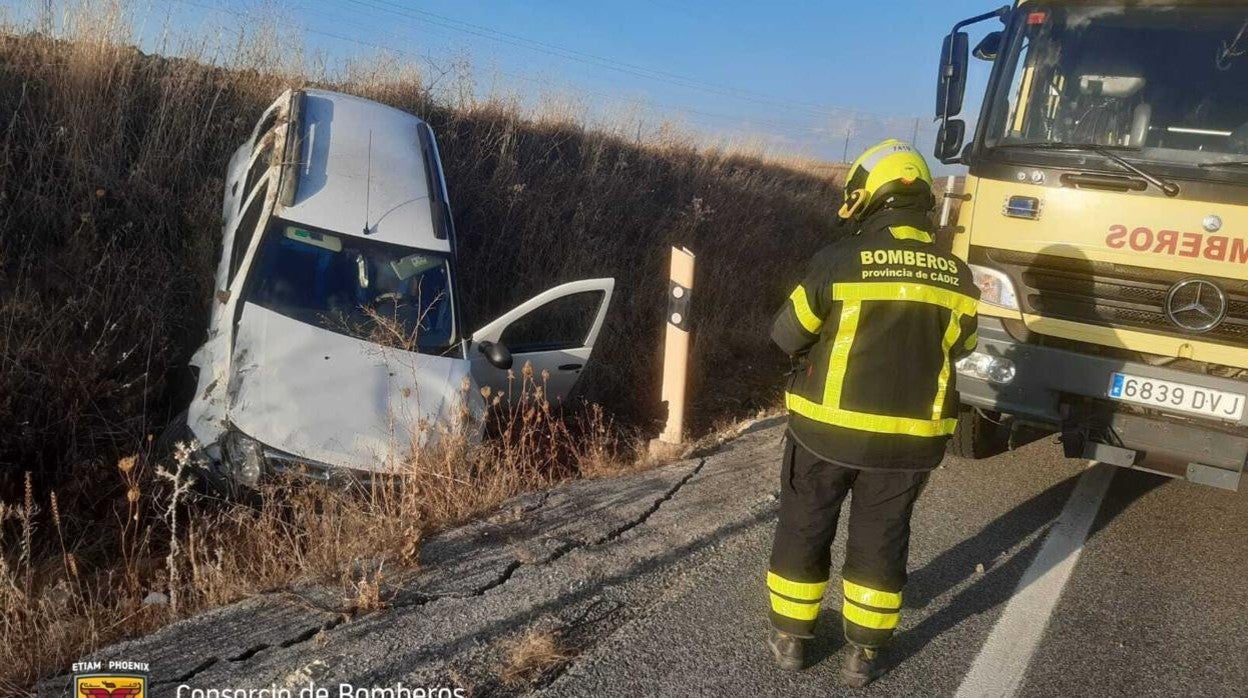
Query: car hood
(334,399)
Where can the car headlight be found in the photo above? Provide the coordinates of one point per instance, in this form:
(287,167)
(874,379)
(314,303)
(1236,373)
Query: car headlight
(995,288)
(994,369)
(244,458)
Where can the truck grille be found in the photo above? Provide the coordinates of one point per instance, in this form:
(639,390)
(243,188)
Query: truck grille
(1103,293)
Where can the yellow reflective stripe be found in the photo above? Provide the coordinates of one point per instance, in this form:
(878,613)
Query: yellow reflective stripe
(852,296)
(971,341)
(909,232)
(794,609)
(920,293)
(801,306)
(838,362)
(802,591)
(880,424)
(872,597)
(870,619)
(942,382)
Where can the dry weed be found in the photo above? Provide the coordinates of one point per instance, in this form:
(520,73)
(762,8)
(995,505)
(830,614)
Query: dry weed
(111,167)
(195,552)
(531,656)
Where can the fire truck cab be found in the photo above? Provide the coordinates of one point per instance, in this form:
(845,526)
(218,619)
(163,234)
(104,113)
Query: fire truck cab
(1105,216)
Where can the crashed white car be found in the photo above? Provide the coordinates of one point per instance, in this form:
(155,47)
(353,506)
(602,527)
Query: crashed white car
(336,233)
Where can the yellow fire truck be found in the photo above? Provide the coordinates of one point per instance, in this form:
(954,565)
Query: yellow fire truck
(1105,216)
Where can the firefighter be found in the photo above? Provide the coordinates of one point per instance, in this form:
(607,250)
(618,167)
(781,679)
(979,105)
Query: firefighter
(874,329)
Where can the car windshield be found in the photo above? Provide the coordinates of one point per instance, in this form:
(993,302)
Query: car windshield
(389,294)
(1171,83)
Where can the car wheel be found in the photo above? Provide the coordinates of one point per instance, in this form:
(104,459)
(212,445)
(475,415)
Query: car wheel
(207,480)
(175,432)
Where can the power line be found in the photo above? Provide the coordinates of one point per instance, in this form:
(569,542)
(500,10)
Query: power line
(804,133)
(371,30)
(600,61)
(549,48)
(787,127)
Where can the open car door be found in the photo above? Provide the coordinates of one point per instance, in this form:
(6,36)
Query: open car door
(555,331)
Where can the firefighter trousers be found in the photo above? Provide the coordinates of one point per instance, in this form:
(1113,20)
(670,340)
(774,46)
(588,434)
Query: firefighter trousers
(811,493)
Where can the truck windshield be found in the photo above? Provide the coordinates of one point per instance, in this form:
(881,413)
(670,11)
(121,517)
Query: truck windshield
(1170,83)
(379,292)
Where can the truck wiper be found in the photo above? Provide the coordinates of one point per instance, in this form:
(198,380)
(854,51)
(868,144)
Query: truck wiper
(1107,151)
(1229,163)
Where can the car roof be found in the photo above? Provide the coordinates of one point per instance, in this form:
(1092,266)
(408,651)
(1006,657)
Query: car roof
(362,161)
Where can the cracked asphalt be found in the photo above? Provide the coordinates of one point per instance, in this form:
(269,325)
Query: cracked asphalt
(654,584)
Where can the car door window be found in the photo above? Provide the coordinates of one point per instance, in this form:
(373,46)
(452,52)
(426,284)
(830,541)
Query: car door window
(246,229)
(266,124)
(259,166)
(563,323)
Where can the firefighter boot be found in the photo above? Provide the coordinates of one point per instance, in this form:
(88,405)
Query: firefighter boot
(862,666)
(788,650)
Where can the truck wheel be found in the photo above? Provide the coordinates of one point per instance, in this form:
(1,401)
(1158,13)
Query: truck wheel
(977,436)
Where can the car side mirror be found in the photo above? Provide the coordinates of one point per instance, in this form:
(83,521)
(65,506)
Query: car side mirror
(949,140)
(497,354)
(988,47)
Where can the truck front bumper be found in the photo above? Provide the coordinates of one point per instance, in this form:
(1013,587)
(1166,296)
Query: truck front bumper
(1066,391)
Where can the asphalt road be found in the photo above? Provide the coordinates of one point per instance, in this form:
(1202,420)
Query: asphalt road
(1154,604)
(1030,575)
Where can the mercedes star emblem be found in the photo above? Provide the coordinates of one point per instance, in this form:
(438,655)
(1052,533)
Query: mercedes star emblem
(1213,223)
(1196,305)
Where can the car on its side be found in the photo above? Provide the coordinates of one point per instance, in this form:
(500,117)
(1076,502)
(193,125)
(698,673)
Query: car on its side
(336,335)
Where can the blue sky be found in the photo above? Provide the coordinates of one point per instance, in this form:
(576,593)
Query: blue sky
(797,76)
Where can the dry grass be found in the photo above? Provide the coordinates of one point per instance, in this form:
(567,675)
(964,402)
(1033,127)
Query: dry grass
(529,657)
(198,552)
(111,166)
(111,172)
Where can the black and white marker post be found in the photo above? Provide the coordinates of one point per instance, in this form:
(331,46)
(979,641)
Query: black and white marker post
(676,354)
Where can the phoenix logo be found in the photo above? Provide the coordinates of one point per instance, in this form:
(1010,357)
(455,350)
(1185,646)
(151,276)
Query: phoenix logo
(110,686)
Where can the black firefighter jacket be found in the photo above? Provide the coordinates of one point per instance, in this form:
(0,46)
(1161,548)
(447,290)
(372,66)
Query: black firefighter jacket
(877,325)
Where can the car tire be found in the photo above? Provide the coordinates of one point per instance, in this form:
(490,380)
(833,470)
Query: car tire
(176,431)
(207,480)
(977,436)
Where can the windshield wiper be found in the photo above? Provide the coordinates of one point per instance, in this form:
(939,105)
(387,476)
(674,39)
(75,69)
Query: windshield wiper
(1229,163)
(1107,151)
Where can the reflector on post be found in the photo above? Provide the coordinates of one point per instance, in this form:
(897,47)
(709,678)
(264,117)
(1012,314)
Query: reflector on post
(676,351)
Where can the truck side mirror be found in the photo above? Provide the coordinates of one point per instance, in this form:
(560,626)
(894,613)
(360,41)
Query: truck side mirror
(497,354)
(949,140)
(951,84)
(988,47)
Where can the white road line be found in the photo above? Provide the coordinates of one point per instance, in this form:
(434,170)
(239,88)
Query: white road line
(1003,660)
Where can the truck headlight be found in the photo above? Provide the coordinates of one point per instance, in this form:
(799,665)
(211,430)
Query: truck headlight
(995,288)
(994,369)
(244,458)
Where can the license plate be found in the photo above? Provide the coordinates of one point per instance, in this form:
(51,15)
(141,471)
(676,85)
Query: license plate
(1179,397)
